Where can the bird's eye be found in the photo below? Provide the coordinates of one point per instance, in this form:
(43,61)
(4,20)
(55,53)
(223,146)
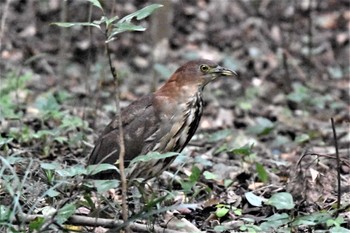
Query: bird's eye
(204,68)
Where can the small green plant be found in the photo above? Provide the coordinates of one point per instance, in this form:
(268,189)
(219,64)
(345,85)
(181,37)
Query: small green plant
(67,129)
(114,26)
(306,97)
(189,184)
(223,209)
(9,100)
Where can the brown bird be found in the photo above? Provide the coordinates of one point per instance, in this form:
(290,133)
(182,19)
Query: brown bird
(163,121)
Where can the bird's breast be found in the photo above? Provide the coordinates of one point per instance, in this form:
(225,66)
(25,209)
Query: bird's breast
(179,123)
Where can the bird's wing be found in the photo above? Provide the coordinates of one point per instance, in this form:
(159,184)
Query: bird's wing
(139,121)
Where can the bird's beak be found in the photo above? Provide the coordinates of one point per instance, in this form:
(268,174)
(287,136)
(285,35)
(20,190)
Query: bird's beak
(223,71)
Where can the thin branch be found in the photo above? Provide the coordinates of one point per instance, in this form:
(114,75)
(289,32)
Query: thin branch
(287,81)
(338,163)
(63,48)
(310,34)
(121,135)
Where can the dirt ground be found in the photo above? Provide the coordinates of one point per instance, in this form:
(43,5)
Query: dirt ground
(267,131)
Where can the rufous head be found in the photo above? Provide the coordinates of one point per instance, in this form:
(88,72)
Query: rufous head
(200,72)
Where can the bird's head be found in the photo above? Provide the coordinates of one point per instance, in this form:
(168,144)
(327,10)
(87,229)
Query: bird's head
(191,78)
(199,72)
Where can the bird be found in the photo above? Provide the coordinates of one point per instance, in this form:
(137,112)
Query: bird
(163,121)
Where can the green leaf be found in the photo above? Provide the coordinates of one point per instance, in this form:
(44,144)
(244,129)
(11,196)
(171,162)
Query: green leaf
(262,173)
(154,202)
(281,201)
(47,103)
(192,179)
(111,20)
(50,166)
(96,168)
(250,228)
(43,134)
(209,175)
(186,186)
(312,219)
(339,230)
(61,139)
(141,14)
(219,135)
(52,193)
(36,224)
(300,93)
(65,212)
(153,156)
(62,96)
(195,175)
(71,171)
(124,27)
(5,141)
(335,222)
(253,199)
(245,105)
(227,182)
(274,222)
(72,24)
(72,122)
(277,217)
(302,138)
(221,212)
(125,24)
(335,72)
(244,150)
(105,185)
(96,3)
(237,212)
(221,228)
(263,126)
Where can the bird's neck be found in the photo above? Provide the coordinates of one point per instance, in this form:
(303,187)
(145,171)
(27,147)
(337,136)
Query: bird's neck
(179,92)
(174,99)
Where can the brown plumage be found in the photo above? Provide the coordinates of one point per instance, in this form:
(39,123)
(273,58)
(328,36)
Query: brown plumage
(164,121)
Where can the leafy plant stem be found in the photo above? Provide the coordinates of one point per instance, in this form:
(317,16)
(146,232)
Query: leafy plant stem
(121,135)
(338,163)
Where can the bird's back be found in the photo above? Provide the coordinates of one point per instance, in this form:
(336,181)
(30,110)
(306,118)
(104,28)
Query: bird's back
(139,121)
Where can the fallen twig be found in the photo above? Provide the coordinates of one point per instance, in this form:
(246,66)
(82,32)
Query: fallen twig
(103,222)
